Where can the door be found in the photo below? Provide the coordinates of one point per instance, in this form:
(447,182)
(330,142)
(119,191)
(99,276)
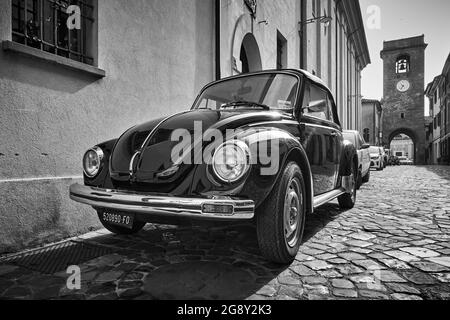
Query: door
(321,139)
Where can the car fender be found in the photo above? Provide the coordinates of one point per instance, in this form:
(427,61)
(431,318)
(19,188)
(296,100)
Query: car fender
(290,149)
(349,157)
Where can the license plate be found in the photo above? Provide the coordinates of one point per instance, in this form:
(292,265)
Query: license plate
(124,220)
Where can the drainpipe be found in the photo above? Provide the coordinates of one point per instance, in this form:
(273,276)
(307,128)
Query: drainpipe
(217,26)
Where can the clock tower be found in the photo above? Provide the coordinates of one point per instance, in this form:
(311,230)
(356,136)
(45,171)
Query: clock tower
(404,86)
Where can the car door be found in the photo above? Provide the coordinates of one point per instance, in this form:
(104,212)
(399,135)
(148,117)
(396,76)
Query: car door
(321,138)
(337,138)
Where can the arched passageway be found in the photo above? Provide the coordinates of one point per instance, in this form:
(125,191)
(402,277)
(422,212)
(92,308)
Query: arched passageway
(250,55)
(403,143)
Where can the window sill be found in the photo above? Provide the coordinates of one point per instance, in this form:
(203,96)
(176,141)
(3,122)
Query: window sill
(11,46)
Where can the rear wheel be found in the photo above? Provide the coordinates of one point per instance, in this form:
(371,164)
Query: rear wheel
(359,182)
(281,222)
(348,200)
(137,226)
(366,177)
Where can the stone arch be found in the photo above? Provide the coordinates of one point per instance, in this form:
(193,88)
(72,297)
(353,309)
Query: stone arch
(407,132)
(250,55)
(244,39)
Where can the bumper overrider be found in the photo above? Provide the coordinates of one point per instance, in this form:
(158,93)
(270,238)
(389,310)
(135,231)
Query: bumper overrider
(148,205)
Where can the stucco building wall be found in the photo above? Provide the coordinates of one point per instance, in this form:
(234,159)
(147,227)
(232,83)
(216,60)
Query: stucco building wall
(157,55)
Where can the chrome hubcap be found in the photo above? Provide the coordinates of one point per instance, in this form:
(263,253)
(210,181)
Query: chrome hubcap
(292,213)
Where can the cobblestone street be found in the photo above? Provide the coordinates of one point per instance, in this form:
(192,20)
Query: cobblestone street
(395,245)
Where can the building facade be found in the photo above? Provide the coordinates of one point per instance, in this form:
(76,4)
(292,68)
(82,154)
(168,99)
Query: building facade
(372,113)
(434,96)
(67,83)
(438,94)
(403,100)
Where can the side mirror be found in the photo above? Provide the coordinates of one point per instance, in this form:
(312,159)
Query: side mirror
(365,146)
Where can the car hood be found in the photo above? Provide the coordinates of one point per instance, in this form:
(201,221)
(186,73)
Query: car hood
(151,143)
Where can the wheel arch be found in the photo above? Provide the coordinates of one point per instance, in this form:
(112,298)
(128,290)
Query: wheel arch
(349,156)
(298,155)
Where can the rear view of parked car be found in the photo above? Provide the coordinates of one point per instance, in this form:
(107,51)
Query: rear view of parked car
(376,158)
(363,155)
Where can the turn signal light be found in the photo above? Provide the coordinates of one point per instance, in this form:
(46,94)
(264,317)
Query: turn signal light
(218,209)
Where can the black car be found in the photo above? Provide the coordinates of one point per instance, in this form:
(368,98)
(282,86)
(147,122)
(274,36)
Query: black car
(273,152)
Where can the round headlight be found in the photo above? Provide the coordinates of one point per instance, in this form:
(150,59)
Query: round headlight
(231,161)
(92,162)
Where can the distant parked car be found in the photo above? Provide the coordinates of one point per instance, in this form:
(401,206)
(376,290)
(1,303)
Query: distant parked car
(386,153)
(394,161)
(404,161)
(363,155)
(376,158)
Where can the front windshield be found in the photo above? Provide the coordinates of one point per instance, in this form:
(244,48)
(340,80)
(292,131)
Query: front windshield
(374,150)
(264,91)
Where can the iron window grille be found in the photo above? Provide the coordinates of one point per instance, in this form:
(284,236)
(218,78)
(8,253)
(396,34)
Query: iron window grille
(42,24)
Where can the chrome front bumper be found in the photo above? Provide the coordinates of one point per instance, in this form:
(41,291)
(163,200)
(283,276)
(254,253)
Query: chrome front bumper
(147,205)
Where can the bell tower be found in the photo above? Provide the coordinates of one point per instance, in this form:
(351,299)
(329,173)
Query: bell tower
(404,86)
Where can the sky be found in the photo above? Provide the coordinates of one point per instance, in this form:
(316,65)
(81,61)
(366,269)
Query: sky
(402,19)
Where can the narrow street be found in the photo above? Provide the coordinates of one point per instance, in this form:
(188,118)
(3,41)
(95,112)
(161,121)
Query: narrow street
(395,245)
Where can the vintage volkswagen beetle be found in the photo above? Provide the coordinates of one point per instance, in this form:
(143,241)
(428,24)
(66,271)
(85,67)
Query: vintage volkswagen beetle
(290,114)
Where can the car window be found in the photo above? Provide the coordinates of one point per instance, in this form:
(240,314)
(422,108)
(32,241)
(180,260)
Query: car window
(276,91)
(330,109)
(350,137)
(316,103)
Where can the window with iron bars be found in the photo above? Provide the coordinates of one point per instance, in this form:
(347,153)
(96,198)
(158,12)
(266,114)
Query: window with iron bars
(42,24)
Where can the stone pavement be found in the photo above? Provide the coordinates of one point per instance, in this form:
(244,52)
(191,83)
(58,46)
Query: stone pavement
(395,244)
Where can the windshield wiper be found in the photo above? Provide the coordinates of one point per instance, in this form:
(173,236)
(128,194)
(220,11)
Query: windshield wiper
(243,103)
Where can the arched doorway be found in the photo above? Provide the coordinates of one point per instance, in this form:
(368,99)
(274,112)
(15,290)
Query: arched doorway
(250,55)
(403,143)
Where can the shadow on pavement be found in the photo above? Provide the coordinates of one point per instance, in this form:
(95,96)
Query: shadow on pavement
(441,171)
(204,262)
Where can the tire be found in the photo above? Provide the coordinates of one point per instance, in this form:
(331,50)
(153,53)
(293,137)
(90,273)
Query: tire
(138,226)
(366,177)
(279,239)
(359,182)
(347,201)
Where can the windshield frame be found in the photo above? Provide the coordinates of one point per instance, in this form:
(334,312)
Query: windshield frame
(255,74)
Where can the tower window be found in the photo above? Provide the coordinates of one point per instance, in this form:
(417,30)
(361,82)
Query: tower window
(403,64)
(402,116)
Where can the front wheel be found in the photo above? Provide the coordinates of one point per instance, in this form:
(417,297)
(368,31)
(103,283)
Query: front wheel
(348,200)
(281,220)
